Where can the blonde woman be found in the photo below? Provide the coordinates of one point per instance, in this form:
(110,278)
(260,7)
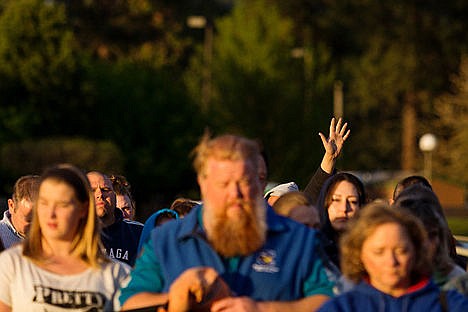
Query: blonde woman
(61,265)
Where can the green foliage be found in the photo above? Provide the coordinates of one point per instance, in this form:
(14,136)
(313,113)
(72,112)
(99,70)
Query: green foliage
(139,30)
(36,47)
(452,111)
(258,88)
(38,69)
(32,156)
(111,70)
(404,62)
(458,225)
(148,116)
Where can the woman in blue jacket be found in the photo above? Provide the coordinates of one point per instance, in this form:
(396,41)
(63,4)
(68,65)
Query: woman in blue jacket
(385,253)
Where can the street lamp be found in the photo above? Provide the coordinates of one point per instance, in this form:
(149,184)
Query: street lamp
(201,22)
(427,144)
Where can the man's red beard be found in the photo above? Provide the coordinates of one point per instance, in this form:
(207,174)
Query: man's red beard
(239,236)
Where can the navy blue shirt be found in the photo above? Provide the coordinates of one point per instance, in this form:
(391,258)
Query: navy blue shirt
(425,296)
(121,238)
(288,267)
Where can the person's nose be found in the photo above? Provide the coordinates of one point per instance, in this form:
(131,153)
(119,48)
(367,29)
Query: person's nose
(342,206)
(392,259)
(98,193)
(348,207)
(235,191)
(52,211)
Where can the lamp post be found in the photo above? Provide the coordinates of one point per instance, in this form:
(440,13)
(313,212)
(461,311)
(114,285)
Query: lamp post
(201,22)
(427,144)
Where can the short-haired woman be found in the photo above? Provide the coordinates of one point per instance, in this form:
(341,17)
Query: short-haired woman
(384,251)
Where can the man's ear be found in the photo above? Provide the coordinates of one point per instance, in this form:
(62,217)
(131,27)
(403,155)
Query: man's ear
(200,180)
(11,206)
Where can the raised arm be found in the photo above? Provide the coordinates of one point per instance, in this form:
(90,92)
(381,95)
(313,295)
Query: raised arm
(333,146)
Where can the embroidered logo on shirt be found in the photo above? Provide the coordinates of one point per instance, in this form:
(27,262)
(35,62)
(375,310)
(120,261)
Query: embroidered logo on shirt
(266,262)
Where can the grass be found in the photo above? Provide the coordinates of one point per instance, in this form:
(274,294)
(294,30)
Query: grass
(458,225)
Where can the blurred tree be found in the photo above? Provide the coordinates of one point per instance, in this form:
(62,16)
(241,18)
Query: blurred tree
(141,30)
(37,68)
(405,62)
(452,111)
(32,156)
(52,87)
(116,29)
(147,114)
(257,86)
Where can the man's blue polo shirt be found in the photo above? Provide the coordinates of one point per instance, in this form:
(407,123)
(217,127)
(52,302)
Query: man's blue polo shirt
(288,267)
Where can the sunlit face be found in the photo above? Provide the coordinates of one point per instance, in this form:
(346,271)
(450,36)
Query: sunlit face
(21,214)
(307,215)
(388,257)
(227,185)
(125,204)
(59,212)
(344,204)
(104,195)
(233,207)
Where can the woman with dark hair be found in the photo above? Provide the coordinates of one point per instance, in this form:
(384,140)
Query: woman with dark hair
(61,264)
(340,198)
(384,251)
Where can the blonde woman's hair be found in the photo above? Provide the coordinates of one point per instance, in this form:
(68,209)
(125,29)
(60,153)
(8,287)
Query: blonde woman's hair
(87,241)
(365,223)
(225,147)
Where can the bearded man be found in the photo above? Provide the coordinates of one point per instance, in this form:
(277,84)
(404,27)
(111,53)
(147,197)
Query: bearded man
(232,253)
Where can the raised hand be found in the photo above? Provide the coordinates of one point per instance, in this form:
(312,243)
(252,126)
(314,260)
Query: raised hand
(334,143)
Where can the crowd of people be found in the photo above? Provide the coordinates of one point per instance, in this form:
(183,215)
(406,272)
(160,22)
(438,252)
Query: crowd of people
(70,241)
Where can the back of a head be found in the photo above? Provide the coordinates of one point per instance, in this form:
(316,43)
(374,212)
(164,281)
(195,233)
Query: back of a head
(422,202)
(225,147)
(419,195)
(288,201)
(183,206)
(26,187)
(164,215)
(409,181)
(282,189)
(120,185)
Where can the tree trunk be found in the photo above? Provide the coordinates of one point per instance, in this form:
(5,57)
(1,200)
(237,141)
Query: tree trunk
(408,132)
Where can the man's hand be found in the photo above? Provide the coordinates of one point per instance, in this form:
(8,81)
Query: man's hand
(333,144)
(196,289)
(235,304)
